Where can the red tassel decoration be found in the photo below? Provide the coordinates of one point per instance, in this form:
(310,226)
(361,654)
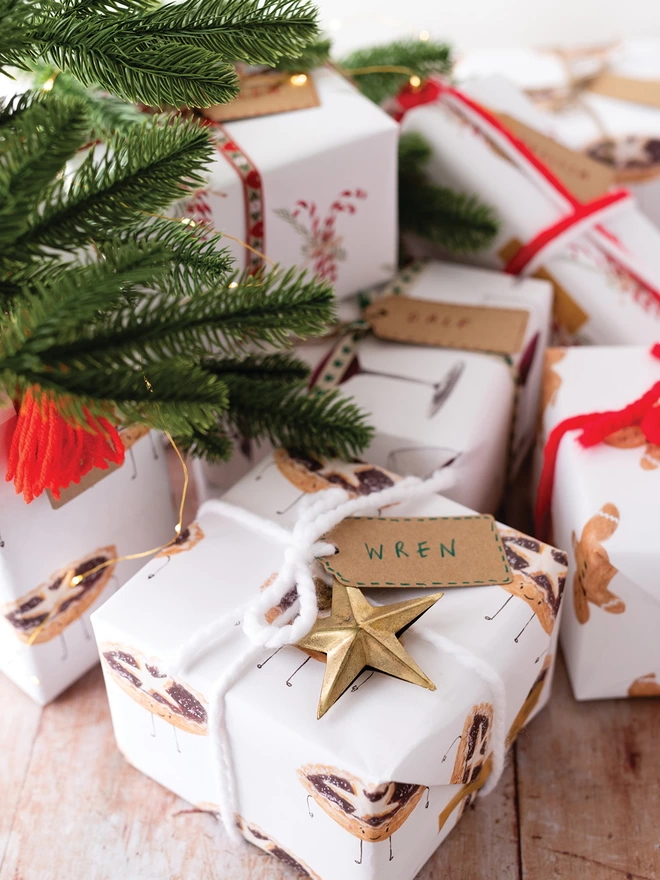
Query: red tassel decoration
(596,427)
(49,453)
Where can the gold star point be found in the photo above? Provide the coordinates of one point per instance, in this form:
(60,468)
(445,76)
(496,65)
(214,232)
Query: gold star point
(358,635)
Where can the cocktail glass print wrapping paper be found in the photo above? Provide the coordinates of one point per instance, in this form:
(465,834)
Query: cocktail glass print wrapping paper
(621,132)
(371,789)
(598,299)
(46,640)
(313,188)
(606,512)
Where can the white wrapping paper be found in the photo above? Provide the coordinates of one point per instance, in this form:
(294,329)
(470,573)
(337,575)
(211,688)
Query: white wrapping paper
(624,134)
(128,511)
(606,513)
(380,730)
(343,151)
(475,418)
(596,300)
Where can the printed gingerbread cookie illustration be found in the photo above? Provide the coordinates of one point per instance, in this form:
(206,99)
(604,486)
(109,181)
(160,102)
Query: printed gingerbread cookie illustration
(539,576)
(593,569)
(184,541)
(370,812)
(145,682)
(645,686)
(44,612)
(253,834)
(551,378)
(632,438)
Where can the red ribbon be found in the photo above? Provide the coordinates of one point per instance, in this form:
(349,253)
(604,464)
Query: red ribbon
(596,427)
(434,89)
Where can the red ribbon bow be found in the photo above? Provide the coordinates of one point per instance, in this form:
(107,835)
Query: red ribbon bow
(643,413)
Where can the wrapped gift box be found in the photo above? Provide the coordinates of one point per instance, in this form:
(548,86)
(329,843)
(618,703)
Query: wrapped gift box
(313,188)
(605,265)
(412,437)
(606,512)
(371,789)
(622,132)
(46,641)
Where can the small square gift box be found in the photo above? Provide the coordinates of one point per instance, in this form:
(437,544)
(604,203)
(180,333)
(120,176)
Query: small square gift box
(449,373)
(558,220)
(605,103)
(313,188)
(57,559)
(600,492)
(211,698)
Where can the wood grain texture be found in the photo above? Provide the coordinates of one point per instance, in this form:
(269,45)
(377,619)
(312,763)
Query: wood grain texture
(589,789)
(19,722)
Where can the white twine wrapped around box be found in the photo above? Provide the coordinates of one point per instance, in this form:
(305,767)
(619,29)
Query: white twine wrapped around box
(319,514)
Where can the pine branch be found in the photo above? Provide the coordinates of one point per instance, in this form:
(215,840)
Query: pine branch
(36,141)
(146,167)
(213,444)
(456,221)
(314,55)
(325,423)
(174,54)
(419,57)
(280,369)
(107,113)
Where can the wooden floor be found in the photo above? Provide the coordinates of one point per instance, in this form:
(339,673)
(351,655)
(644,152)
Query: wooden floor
(580,800)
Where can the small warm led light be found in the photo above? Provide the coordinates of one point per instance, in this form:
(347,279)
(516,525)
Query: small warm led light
(76,580)
(299,79)
(334,24)
(187,221)
(233,284)
(35,680)
(177,528)
(48,85)
(415,81)
(424,36)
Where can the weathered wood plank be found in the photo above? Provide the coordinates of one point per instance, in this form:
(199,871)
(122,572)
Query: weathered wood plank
(19,723)
(589,790)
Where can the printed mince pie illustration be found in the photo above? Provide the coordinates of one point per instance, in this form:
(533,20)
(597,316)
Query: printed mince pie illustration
(253,834)
(633,158)
(645,686)
(472,764)
(593,569)
(531,701)
(154,690)
(632,438)
(185,540)
(323,598)
(369,812)
(51,607)
(311,474)
(533,564)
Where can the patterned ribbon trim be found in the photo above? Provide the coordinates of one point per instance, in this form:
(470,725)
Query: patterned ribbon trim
(253,196)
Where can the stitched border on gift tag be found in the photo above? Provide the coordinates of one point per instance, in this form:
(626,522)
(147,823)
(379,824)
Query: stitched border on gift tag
(472,552)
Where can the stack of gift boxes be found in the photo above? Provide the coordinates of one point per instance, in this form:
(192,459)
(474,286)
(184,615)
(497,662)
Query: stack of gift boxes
(464,377)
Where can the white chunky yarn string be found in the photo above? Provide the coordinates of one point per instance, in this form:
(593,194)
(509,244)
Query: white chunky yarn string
(319,514)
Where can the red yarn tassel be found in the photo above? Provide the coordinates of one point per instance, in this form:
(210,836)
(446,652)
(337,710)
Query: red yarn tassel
(49,453)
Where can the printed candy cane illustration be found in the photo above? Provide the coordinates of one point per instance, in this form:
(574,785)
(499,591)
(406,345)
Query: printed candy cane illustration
(322,246)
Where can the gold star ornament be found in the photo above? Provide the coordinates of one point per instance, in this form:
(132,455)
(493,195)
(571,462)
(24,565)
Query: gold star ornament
(358,635)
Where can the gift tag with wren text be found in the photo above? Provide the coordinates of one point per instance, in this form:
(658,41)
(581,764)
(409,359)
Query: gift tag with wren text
(448,325)
(265,94)
(584,177)
(432,551)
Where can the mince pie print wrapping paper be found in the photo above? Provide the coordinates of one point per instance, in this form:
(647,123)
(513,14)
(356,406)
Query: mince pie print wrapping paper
(602,254)
(314,188)
(46,640)
(622,133)
(371,789)
(606,512)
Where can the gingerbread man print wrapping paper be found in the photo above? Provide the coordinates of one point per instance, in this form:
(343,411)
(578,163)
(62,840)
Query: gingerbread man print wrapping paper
(605,510)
